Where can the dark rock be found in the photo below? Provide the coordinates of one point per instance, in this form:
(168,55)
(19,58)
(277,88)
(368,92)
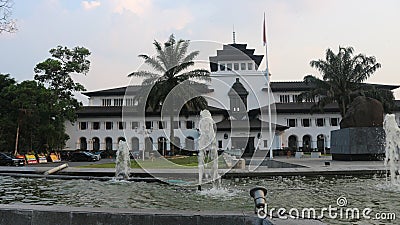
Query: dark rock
(363,112)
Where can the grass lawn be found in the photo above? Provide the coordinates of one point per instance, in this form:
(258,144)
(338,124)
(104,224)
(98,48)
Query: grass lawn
(182,162)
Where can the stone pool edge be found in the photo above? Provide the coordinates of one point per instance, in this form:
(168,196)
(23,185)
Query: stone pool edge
(65,215)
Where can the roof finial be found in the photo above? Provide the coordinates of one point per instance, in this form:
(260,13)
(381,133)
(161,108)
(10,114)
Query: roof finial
(234,37)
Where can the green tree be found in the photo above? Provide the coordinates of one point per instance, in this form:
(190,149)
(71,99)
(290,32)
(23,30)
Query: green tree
(28,118)
(32,106)
(171,69)
(342,80)
(55,73)
(7,119)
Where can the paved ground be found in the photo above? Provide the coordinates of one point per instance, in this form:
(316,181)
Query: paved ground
(310,167)
(72,164)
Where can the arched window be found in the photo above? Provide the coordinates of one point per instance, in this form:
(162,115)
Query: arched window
(96,144)
(292,142)
(83,143)
(121,139)
(177,143)
(135,144)
(109,144)
(148,144)
(306,143)
(320,142)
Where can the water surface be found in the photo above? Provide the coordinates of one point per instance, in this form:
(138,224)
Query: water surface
(295,192)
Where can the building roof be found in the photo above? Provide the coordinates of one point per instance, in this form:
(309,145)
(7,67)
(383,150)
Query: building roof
(118,111)
(99,111)
(294,107)
(252,124)
(234,52)
(292,86)
(134,89)
(114,91)
(304,107)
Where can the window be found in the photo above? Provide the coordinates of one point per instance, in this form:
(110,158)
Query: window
(118,101)
(292,122)
(249,66)
(320,122)
(121,125)
(135,125)
(162,125)
(229,65)
(295,98)
(176,124)
(236,66)
(284,98)
(222,67)
(189,124)
(149,124)
(243,66)
(219,143)
(334,122)
(305,122)
(265,143)
(106,102)
(109,125)
(236,104)
(129,102)
(83,125)
(96,125)
(309,99)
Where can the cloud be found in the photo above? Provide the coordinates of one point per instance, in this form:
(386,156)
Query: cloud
(89,5)
(138,7)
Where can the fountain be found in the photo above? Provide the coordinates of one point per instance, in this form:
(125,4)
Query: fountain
(392,148)
(122,161)
(207,150)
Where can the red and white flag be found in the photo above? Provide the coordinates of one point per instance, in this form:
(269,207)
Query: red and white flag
(264,33)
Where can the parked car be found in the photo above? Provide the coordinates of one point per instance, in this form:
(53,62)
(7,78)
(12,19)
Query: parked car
(10,160)
(84,156)
(65,155)
(99,153)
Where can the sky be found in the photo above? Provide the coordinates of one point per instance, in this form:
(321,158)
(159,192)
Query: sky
(117,31)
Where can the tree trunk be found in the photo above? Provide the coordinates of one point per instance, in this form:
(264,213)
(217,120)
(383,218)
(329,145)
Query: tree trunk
(343,111)
(16,140)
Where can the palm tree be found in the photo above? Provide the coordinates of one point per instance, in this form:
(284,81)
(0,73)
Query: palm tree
(172,77)
(342,79)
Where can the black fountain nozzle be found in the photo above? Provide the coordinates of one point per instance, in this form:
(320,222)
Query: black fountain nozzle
(258,194)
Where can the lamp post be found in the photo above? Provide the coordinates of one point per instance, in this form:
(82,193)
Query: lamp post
(143,131)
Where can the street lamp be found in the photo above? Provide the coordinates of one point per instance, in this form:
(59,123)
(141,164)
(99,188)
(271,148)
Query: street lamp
(143,131)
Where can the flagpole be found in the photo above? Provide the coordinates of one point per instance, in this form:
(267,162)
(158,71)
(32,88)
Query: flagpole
(271,155)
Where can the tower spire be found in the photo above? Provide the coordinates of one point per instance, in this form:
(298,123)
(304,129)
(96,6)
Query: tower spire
(234,35)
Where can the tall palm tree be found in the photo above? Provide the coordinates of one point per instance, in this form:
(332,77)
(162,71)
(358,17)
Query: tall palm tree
(172,77)
(342,79)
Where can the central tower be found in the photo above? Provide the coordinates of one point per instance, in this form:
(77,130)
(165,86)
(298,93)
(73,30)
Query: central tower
(235,77)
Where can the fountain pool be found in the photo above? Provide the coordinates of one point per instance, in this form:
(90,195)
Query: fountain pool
(295,192)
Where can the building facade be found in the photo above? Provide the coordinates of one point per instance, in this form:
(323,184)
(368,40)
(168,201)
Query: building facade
(238,100)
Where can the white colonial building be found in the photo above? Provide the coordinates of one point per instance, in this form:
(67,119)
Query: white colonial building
(238,101)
